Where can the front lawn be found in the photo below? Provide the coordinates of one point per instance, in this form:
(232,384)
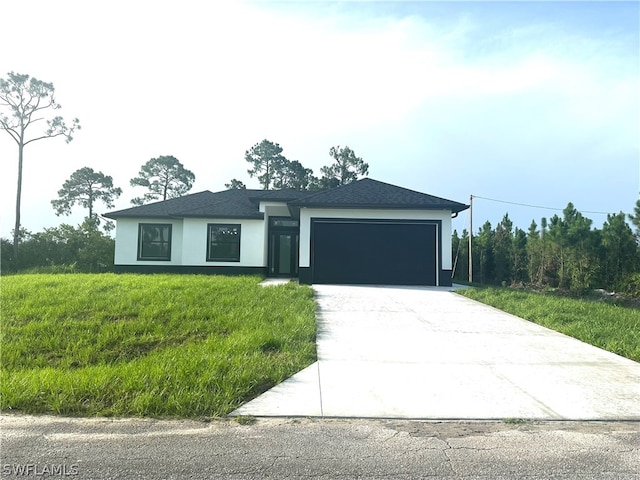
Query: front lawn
(612,327)
(148,345)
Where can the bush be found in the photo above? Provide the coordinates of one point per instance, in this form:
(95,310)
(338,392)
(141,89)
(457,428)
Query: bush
(80,249)
(631,285)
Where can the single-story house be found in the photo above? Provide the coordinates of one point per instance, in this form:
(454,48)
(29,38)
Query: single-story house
(366,232)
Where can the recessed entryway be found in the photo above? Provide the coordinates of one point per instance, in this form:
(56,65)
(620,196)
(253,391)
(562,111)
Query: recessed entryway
(284,239)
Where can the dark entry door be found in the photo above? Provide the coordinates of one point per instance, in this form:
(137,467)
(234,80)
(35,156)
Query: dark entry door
(283,247)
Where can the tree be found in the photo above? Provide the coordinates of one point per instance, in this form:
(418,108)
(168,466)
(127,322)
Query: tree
(502,249)
(460,255)
(266,158)
(635,218)
(582,251)
(301,178)
(165,177)
(325,182)
(27,101)
(519,256)
(235,184)
(535,251)
(84,187)
(292,174)
(544,255)
(619,250)
(482,252)
(346,169)
(573,249)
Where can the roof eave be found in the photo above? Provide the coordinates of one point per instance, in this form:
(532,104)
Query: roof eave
(114,216)
(175,217)
(259,216)
(450,208)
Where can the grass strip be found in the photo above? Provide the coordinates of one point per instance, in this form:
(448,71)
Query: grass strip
(609,326)
(148,345)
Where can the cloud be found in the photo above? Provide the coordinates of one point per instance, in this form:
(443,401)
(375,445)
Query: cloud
(489,97)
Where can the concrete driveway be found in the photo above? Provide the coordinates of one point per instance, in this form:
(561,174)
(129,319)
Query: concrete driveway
(428,353)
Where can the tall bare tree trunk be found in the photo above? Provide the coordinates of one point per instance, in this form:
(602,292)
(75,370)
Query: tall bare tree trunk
(16,230)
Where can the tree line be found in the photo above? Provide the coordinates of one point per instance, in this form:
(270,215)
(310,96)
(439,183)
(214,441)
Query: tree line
(275,171)
(563,252)
(90,249)
(27,107)
(165,177)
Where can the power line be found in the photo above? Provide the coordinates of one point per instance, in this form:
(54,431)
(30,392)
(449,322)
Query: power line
(537,206)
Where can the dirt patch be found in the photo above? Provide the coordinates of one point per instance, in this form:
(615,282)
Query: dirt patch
(458,429)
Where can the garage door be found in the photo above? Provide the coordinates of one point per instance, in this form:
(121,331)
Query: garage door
(374,252)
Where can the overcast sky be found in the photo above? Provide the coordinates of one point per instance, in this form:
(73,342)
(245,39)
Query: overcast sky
(534,103)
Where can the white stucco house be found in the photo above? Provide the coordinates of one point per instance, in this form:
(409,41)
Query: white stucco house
(367,232)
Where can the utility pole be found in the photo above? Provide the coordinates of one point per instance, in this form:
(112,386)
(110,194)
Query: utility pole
(470,236)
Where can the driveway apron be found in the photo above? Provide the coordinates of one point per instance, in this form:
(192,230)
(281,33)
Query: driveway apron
(429,353)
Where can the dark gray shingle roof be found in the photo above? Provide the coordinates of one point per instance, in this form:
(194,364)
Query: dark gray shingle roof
(369,193)
(365,193)
(226,204)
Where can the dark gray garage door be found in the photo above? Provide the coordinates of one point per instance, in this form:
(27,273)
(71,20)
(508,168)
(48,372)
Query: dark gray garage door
(374,252)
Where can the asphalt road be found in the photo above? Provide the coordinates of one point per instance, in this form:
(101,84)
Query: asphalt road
(54,447)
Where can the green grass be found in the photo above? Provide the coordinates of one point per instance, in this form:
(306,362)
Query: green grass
(148,345)
(612,327)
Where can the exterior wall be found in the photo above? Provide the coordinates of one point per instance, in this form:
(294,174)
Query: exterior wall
(275,209)
(126,252)
(189,240)
(447,262)
(252,250)
(443,274)
(189,243)
(307,213)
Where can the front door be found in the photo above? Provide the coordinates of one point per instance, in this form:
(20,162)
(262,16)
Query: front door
(283,247)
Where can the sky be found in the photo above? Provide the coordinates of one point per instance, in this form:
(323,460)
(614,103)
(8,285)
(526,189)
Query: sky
(533,103)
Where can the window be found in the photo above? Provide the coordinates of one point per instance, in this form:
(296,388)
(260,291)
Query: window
(223,243)
(284,222)
(154,241)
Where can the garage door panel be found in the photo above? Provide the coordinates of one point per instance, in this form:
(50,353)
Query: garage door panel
(374,253)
